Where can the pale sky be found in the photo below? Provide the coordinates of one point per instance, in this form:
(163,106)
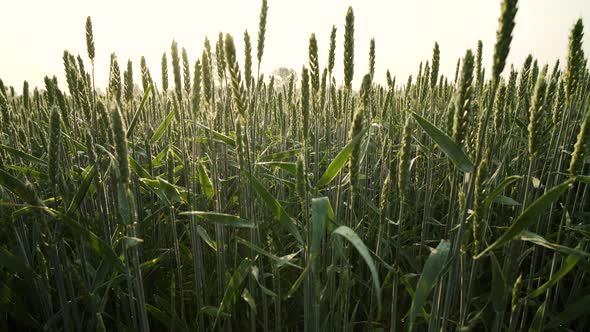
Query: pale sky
(35,33)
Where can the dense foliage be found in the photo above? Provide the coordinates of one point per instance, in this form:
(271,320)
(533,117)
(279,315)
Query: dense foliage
(223,199)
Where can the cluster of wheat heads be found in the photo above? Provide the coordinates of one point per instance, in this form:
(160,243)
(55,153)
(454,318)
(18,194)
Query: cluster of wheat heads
(224,199)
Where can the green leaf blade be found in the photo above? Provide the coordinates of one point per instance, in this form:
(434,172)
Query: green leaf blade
(162,128)
(362,249)
(529,215)
(220,218)
(340,160)
(451,149)
(430,273)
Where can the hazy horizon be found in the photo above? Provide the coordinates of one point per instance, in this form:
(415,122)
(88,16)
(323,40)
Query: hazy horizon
(34,41)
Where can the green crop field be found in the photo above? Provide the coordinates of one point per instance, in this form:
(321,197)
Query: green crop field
(224,199)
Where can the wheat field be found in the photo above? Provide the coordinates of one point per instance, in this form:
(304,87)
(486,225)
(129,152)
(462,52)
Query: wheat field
(223,198)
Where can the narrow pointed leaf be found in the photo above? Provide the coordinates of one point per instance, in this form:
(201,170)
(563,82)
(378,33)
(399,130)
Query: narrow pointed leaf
(297,283)
(451,149)
(255,273)
(428,278)
(167,192)
(225,139)
(138,112)
(205,236)
(28,171)
(279,212)
(287,166)
(220,218)
(340,160)
(280,155)
(570,263)
(83,189)
(280,261)
(18,188)
(249,299)
(541,241)
(96,244)
(232,289)
(22,155)
(138,169)
(162,128)
(505,183)
(205,181)
(529,215)
(321,213)
(362,249)
(505,200)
